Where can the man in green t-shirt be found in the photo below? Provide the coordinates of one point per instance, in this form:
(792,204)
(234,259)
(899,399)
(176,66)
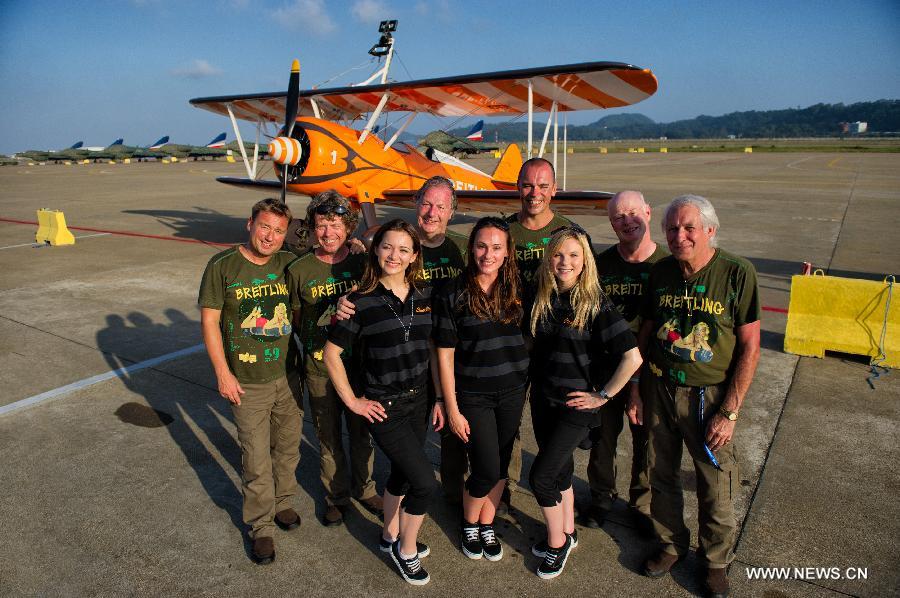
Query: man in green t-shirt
(623,271)
(531,228)
(244,299)
(700,339)
(319,278)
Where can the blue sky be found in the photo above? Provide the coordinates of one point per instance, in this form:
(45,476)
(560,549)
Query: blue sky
(98,70)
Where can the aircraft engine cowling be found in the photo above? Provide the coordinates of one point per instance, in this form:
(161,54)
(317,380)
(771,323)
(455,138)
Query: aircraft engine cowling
(286,150)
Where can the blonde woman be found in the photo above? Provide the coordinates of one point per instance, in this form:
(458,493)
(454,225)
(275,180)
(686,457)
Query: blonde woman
(576,330)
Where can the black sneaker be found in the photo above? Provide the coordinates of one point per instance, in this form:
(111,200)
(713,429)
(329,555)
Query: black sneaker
(385,546)
(410,569)
(470,541)
(540,548)
(555,560)
(490,545)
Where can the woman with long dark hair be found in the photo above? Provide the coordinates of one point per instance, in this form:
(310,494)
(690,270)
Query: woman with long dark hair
(483,373)
(579,336)
(391,330)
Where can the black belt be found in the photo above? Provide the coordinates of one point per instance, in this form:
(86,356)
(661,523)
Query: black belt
(409,394)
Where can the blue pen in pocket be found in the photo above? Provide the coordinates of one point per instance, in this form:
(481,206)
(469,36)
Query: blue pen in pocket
(709,453)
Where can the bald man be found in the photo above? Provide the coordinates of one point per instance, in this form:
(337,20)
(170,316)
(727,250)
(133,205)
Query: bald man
(623,270)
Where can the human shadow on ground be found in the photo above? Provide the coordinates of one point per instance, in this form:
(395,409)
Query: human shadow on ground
(202,224)
(191,412)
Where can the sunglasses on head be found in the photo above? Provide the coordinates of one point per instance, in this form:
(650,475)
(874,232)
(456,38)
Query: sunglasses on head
(494,222)
(325,209)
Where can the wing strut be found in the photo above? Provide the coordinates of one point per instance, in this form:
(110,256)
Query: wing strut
(374,117)
(240,140)
(396,136)
(547,130)
(530,118)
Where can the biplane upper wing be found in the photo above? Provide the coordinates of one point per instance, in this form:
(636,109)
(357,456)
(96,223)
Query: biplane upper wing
(583,86)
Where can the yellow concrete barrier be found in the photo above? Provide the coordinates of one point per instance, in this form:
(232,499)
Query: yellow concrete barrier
(126,161)
(830,313)
(570,150)
(664,150)
(52,228)
(640,150)
(85,161)
(631,150)
(748,150)
(603,150)
(43,232)
(166,161)
(229,158)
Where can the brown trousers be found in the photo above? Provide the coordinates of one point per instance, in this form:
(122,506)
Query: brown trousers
(269,421)
(674,424)
(327,412)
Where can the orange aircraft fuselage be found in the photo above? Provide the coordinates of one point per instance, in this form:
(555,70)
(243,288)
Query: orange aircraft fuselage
(333,158)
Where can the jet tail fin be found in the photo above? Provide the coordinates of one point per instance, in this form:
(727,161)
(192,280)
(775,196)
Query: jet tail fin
(477,132)
(77,145)
(219,141)
(162,141)
(118,141)
(507,171)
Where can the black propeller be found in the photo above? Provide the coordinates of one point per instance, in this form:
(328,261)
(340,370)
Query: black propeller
(290,114)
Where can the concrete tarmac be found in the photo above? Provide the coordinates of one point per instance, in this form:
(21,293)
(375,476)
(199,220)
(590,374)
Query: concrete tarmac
(130,485)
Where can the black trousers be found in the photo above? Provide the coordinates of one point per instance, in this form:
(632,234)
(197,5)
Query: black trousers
(494,419)
(558,430)
(401,436)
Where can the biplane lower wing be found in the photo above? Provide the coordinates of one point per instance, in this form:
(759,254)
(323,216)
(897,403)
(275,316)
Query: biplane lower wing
(564,202)
(249,183)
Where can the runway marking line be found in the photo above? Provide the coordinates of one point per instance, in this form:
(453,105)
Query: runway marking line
(42,244)
(117,373)
(124,233)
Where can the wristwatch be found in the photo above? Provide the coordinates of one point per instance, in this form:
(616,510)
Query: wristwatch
(731,415)
(603,394)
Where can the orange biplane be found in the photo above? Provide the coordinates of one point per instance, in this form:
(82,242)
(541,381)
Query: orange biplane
(315,152)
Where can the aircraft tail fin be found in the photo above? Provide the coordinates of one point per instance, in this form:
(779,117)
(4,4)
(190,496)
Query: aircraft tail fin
(162,141)
(477,132)
(219,141)
(118,141)
(507,171)
(77,145)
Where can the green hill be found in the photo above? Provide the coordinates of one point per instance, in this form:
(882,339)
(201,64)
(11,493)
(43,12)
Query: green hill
(819,120)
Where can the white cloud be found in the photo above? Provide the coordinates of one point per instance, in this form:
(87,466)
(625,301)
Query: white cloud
(440,9)
(306,15)
(370,11)
(197,69)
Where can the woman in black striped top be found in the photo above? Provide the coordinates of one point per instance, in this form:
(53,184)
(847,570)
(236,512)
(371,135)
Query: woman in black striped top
(391,331)
(483,374)
(579,337)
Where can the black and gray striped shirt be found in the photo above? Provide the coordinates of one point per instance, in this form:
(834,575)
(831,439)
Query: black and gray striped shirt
(490,356)
(390,364)
(568,359)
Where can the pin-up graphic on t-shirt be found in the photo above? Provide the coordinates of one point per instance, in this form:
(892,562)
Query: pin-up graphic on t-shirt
(693,347)
(255,324)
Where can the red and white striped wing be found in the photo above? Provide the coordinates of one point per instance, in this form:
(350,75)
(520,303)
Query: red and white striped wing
(585,86)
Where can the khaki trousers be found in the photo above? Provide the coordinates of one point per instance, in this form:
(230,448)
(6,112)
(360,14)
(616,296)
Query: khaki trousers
(269,421)
(327,410)
(674,423)
(602,467)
